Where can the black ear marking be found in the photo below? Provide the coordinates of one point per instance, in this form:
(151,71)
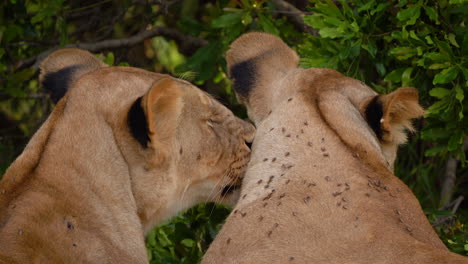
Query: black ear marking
(57,83)
(374,113)
(243,74)
(137,123)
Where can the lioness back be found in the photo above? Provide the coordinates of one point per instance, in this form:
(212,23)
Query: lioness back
(320,186)
(123,150)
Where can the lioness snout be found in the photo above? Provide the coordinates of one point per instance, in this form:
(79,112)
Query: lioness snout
(248,133)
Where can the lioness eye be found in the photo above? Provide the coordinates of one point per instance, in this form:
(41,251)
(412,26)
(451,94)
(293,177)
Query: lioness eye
(210,123)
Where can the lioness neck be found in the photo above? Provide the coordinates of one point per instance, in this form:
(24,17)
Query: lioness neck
(305,167)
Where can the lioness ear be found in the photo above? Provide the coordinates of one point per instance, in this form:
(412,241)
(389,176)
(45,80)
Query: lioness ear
(258,60)
(162,106)
(390,115)
(61,68)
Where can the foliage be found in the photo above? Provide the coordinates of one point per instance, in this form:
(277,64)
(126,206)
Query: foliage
(185,238)
(401,43)
(386,44)
(389,44)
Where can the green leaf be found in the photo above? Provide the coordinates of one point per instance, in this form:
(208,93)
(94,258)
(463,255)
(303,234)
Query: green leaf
(406,76)
(413,35)
(333,21)
(453,41)
(371,48)
(432,14)
(459,94)
(379,8)
(403,53)
(444,47)
(437,66)
(149,253)
(435,56)
(151,237)
(446,75)
(395,75)
(163,239)
(428,40)
(227,20)
(188,242)
(437,107)
(409,15)
(436,133)
(439,212)
(439,92)
(331,32)
(367,6)
(465,73)
(380,69)
(465,247)
(109,59)
(314,21)
(432,152)
(455,141)
(267,25)
(246,19)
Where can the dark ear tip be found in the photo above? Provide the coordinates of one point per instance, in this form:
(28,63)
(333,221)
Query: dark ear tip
(56,84)
(137,123)
(373,115)
(243,75)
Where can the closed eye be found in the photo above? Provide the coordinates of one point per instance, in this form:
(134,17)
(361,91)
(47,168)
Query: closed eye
(210,123)
(214,120)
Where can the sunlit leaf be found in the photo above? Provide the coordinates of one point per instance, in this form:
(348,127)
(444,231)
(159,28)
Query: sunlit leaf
(439,92)
(227,20)
(446,75)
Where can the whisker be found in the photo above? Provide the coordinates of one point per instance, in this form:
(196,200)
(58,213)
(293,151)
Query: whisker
(180,201)
(213,189)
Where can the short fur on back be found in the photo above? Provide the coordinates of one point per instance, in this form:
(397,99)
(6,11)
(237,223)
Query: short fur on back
(320,186)
(123,150)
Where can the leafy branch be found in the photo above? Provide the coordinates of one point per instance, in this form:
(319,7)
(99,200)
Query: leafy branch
(186,41)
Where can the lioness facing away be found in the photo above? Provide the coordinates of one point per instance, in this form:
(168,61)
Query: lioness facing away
(123,150)
(320,187)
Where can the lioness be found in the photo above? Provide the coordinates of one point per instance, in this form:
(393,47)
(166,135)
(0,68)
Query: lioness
(320,187)
(123,150)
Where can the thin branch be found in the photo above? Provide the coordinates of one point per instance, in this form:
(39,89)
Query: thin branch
(443,220)
(186,42)
(295,15)
(457,203)
(450,178)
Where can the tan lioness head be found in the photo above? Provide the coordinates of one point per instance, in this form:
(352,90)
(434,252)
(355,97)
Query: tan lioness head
(175,138)
(123,150)
(260,64)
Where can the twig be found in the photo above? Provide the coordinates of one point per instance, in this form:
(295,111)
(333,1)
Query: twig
(449,181)
(295,16)
(447,219)
(457,203)
(450,178)
(186,42)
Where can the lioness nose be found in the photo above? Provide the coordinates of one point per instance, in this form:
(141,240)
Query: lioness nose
(248,133)
(249,144)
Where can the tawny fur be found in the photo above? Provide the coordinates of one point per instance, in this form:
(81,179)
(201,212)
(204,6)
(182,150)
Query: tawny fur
(319,187)
(85,191)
